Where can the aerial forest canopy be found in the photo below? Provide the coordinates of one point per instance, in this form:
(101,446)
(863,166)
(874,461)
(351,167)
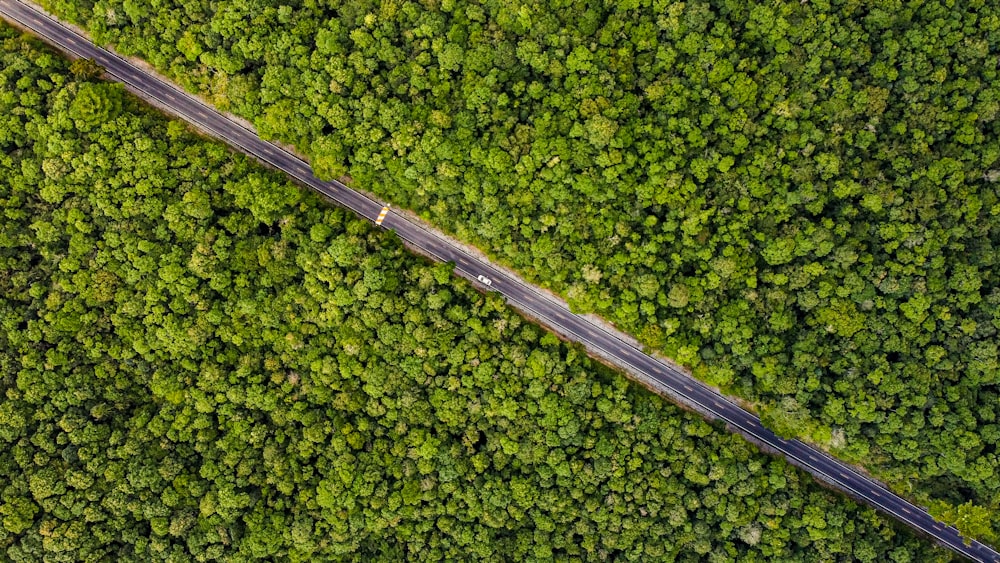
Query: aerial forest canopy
(798,200)
(200,361)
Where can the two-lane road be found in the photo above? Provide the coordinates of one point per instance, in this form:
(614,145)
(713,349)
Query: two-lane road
(614,347)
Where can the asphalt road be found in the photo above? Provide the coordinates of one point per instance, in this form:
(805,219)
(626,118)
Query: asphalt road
(612,346)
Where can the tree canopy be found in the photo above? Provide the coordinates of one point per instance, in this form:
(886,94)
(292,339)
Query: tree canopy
(201,362)
(797,200)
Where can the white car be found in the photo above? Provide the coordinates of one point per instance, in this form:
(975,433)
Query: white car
(486,281)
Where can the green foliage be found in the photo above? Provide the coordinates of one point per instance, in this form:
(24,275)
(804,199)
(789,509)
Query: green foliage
(85,69)
(95,103)
(973,521)
(190,375)
(811,184)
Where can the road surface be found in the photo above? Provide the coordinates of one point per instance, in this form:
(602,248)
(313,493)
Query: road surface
(610,345)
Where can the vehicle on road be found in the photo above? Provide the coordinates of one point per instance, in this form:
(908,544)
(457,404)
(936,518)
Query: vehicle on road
(381,216)
(486,281)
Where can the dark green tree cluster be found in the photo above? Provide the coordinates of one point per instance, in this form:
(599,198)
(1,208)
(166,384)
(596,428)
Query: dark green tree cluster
(798,200)
(200,362)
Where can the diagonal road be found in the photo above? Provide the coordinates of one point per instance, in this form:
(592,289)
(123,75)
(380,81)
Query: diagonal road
(612,346)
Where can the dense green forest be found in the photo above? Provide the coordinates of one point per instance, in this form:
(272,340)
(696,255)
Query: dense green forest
(798,200)
(201,362)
